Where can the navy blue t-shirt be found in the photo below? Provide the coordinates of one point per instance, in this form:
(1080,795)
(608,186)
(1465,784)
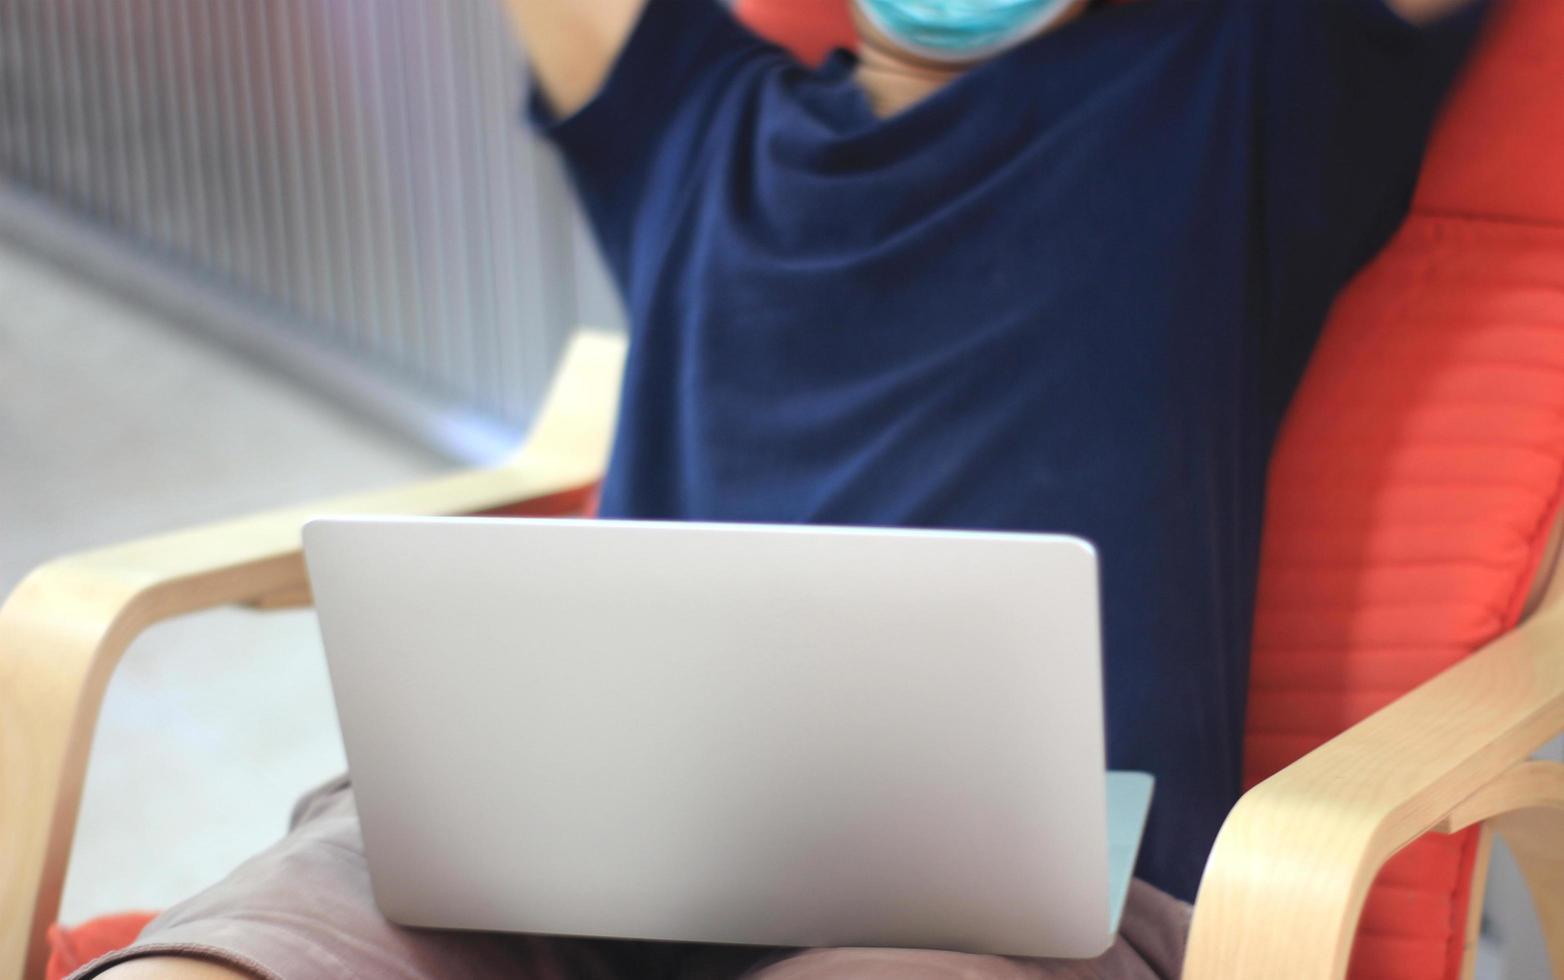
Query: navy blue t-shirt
(1071,291)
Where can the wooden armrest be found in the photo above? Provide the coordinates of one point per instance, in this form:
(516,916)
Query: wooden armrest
(64,628)
(1291,869)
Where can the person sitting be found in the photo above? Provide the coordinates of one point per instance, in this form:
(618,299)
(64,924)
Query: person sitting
(1017,264)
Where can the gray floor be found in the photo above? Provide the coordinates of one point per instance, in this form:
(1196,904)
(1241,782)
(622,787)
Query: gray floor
(113,426)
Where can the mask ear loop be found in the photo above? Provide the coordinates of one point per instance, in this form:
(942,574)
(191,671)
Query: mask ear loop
(1051,14)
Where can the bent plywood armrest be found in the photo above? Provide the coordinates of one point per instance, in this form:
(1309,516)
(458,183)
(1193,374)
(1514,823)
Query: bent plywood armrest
(1287,880)
(63,629)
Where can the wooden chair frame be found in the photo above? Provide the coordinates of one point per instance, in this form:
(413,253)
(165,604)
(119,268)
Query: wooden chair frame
(1286,881)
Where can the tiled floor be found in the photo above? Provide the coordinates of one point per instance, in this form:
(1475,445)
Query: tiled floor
(114,425)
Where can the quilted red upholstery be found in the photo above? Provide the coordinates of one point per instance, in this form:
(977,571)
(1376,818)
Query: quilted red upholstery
(1410,499)
(1421,465)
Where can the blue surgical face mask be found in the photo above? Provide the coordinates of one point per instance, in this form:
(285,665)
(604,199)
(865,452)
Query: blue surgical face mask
(961,30)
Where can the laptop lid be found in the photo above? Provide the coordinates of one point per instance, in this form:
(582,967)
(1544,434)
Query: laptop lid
(727,733)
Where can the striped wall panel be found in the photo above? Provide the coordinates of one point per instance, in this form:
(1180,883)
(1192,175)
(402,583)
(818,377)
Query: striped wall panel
(352,170)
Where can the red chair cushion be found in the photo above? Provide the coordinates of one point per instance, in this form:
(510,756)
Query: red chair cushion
(1420,470)
(1501,143)
(1410,500)
(73,948)
(808,28)
(580,502)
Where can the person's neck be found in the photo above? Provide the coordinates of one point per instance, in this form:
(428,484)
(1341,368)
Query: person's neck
(892,81)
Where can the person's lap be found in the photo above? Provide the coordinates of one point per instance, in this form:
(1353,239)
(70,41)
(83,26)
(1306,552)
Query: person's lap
(303,908)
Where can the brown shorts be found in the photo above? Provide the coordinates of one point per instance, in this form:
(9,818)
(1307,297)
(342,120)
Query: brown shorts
(303,909)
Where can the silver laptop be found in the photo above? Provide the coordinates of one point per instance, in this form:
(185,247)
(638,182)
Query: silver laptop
(745,734)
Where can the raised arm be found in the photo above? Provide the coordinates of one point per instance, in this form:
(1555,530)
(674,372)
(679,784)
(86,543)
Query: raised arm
(571,44)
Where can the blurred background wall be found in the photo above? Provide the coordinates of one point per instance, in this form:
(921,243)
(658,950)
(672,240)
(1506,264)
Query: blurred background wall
(341,188)
(233,232)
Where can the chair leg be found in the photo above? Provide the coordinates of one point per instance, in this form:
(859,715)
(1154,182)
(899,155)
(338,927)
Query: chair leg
(1536,838)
